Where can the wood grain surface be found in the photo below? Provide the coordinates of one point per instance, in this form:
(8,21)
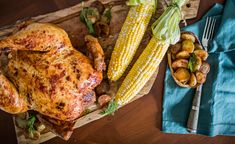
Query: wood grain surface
(136,123)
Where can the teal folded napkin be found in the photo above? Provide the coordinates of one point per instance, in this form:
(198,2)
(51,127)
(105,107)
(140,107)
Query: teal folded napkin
(218,93)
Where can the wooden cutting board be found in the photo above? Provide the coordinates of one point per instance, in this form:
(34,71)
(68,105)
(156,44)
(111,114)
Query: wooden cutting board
(68,19)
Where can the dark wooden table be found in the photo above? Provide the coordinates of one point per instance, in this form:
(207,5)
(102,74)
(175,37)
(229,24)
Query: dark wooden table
(136,123)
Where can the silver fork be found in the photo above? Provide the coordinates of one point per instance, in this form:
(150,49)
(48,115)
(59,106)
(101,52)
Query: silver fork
(194,113)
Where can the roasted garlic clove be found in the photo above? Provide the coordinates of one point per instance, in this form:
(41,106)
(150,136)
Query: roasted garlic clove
(182,75)
(202,54)
(104,99)
(198,46)
(205,67)
(34,135)
(188,36)
(201,77)
(40,127)
(183,55)
(175,48)
(180,63)
(192,80)
(187,45)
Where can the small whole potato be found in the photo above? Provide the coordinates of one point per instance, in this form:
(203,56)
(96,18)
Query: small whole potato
(175,48)
(187,36)
(201,53)
(182,75)
(102,29)
(183,55)
(180,63)
(198,46)
(187,45)
(100,7)
(173,56)
(205,67)
(192,80)
(201,77)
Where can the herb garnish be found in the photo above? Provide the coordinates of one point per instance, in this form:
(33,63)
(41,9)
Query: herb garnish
(31,121)
(108,14)
(83,17)
(192,62)
(112,107)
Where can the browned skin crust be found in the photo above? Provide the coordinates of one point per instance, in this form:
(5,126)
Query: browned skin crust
(63,129)
(46,74)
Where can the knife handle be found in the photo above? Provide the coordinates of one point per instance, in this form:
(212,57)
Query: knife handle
(194,113)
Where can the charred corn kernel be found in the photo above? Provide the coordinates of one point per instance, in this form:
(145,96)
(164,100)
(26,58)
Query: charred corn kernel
(129,38)
(142,70)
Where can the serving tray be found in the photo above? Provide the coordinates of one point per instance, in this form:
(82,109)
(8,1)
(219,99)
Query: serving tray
(69,20)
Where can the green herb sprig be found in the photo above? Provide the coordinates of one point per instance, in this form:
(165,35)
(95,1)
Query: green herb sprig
(108,14)
(31,122)
(112,107)
(83,17)
(192,62)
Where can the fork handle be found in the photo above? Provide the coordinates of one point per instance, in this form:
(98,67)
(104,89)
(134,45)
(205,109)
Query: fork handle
(194,113)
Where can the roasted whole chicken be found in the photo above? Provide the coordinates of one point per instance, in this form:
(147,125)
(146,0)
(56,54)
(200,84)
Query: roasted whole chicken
(41,71)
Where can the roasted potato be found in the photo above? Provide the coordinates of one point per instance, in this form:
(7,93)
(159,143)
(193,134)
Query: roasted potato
(201,77)
(183,55)
(205,67)
(187,45)
(188,36)
(192,80)
(102,29)
(182,75)
(186,60)
(175,48)
(198,46)
(173,56)
(100,7)
(180,63)
(201,53)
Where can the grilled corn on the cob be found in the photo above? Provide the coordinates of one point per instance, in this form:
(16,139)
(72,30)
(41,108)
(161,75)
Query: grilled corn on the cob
(129,38)
(142,70)
(165,32)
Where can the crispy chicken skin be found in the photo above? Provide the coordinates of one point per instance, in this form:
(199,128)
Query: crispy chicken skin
(46,74)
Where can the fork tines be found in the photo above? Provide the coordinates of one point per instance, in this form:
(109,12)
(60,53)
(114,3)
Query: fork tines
(209,28)
(208,31)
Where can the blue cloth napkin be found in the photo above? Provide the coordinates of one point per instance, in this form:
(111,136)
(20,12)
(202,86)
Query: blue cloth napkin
(217,110)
